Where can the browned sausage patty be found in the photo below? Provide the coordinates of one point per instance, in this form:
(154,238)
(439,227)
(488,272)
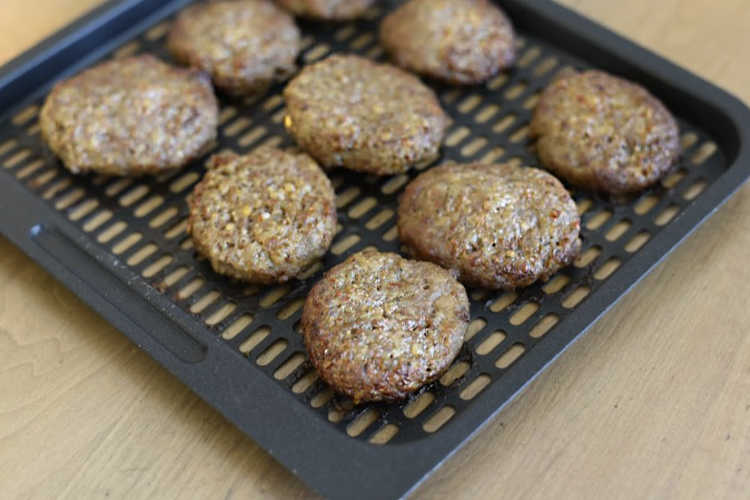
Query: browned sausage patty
(246,45)
(263,217)
(499,226)
(349,111)
(130,116)
(604,133)
(338,10)
(378,326)
(458,41)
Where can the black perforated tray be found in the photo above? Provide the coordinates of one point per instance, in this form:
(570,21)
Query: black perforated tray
(121,244)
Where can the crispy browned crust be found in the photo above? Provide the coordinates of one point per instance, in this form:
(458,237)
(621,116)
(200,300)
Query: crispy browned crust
(335,10)
(457,41)
(130,116)
(263,217)
(378,326)
(604,133)
(498,226)
(246,45)
(349,111)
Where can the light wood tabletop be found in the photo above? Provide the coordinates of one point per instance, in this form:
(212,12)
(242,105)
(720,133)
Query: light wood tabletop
(654,402)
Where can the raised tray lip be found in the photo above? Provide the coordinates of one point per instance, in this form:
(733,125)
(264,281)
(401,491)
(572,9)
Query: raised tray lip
(311,450)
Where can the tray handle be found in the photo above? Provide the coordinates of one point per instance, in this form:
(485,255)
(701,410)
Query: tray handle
(101,284)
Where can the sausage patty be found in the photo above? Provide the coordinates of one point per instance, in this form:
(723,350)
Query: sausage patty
(349,111)
(458,41)
(337,10)
(379,326)
(604,133)
(499,226)
(263,217)
(246,45)
(130,116)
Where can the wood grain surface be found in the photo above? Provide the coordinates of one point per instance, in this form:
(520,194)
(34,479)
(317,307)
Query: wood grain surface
(653,403)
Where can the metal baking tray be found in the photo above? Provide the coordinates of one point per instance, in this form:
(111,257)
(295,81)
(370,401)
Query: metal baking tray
(120,244)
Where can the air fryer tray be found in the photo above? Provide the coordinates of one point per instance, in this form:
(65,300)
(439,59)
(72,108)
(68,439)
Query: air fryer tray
(120,244)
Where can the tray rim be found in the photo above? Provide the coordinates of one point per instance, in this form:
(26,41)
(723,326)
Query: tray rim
(394,470)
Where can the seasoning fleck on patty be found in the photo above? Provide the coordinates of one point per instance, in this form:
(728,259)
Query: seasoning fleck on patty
(379,326)
(336,10)
(499,226)
(458,41)
(263,217)
(130,116)
(246,45)
(349,111)
(604,133)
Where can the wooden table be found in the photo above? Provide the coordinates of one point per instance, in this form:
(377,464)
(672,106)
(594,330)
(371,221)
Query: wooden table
(653,403)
